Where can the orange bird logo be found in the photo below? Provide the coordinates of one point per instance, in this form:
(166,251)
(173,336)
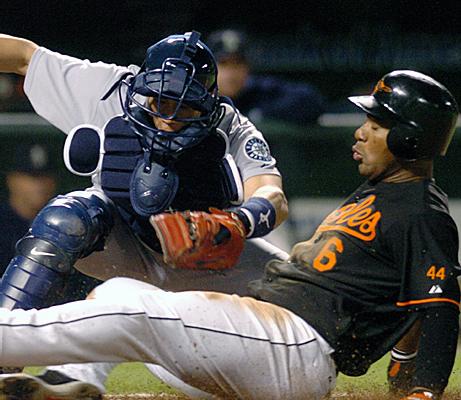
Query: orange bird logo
(381,87)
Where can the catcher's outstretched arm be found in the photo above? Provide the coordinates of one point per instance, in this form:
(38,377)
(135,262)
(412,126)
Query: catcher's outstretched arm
(268,187)
(215,240)
(15,54)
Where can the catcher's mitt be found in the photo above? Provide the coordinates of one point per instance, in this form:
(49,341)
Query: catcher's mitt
(200,240)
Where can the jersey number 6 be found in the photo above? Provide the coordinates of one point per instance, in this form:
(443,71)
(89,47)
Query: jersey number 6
(326,259)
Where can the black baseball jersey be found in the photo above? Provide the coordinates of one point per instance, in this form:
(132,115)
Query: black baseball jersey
(387,252)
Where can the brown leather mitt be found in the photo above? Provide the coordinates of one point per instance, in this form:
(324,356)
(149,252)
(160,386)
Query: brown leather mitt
(200,240)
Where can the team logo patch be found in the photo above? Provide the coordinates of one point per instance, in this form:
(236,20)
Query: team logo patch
(258,149)
(359,219)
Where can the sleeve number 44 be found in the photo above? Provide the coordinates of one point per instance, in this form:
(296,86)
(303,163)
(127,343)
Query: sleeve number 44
(433,272)
(326,259)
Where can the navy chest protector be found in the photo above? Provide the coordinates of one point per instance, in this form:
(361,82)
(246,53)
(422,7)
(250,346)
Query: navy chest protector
(196,179)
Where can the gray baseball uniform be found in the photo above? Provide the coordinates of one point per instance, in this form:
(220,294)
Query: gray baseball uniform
(67,92)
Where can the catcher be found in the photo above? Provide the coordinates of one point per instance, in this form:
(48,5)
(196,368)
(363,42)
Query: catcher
(157,142)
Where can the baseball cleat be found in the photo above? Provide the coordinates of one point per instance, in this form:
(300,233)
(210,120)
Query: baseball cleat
(51,385)
(10,370)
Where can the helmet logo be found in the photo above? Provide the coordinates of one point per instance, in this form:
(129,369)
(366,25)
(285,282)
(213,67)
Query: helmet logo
(381,87)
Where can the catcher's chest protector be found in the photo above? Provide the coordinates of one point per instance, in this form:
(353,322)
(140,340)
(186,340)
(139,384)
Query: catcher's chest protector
(201,177)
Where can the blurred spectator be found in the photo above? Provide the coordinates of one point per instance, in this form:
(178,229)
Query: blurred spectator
(12,98)
(260,97)
(31,181)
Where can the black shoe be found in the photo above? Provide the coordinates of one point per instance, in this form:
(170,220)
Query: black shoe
(10,370)
(51,385)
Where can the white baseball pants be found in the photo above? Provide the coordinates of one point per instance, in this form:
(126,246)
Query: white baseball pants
(225,346)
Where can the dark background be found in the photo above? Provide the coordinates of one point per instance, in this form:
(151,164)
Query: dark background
(338,45)
(342,47)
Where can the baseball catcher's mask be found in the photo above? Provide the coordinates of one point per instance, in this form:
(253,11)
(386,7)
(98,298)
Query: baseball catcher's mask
(182,69)
(421,111)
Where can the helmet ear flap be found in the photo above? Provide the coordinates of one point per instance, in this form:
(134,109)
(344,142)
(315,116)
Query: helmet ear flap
(404,142)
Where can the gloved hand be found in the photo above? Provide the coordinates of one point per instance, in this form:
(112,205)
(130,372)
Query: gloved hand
(200,240)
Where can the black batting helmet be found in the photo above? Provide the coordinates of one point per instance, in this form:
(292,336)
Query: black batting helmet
(422,112)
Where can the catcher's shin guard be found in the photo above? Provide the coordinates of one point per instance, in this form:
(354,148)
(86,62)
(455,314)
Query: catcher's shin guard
(26,282)
(66,229)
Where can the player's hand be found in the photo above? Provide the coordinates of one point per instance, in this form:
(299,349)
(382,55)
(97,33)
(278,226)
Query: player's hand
(421,394)
(200,240)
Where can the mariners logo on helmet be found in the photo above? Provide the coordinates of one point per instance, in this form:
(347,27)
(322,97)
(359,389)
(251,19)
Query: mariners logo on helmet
(258,149)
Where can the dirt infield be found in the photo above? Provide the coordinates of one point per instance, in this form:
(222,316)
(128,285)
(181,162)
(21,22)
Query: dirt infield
(146,396)
(336,396)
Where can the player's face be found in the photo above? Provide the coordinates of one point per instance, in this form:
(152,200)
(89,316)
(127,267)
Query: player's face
(29,193)
(375,160)
(168,107)
(232,78)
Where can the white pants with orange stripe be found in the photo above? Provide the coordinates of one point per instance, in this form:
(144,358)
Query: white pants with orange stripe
(218,345)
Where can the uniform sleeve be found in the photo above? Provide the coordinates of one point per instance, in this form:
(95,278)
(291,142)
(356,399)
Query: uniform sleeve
(425,248)
(67,91)
(437,348)
(247,145)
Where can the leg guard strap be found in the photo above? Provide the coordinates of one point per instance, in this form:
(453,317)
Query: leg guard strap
(45,253)
(26,283)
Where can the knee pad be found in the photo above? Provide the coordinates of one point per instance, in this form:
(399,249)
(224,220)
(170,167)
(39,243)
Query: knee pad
(66,229)
(76,225)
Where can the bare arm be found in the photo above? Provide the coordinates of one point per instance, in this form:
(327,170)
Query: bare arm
(15,54)
(269,187)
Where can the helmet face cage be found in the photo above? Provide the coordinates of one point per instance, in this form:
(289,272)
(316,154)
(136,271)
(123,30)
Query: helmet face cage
(174,86)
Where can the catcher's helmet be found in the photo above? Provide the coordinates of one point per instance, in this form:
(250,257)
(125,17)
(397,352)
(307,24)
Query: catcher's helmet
(179,68)
(422,113)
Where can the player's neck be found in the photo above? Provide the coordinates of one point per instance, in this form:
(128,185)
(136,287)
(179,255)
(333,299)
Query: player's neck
(411,171)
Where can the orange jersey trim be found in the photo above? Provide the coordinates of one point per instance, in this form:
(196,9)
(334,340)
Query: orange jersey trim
(433,300)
